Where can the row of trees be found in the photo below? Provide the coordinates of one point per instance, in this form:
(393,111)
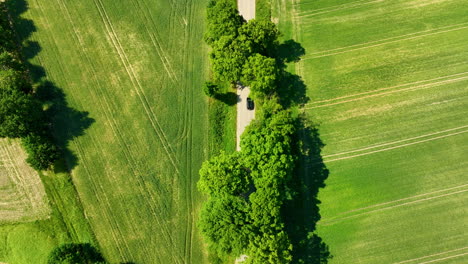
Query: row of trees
(241,51)
(247,190)
(22,115)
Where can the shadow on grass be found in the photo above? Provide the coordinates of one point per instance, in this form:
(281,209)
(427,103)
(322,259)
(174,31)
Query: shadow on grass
(301,214)
(291,87)
(229,98)
(65,122)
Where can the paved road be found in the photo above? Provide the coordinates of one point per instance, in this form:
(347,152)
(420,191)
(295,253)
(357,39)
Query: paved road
(246,8)
(244,116)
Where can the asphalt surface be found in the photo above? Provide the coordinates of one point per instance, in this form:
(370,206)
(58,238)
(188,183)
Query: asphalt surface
(244,116)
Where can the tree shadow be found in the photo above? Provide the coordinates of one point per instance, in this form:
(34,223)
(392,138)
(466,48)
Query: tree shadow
(76,253)
(65,123)
(290,51)
(291,87)
(229,98)
(301,213)
(291,90)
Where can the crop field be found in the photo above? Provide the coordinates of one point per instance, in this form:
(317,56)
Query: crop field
(388,88)
(136,68)
(23,194)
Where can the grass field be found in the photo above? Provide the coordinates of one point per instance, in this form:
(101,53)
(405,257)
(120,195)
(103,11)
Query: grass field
(388,84)
(137,68)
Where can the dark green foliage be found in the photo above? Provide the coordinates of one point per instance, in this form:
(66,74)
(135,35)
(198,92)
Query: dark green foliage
(263,34)
(210,89)
(223,19)
(41,151)
(226,224)
(6,34)
(228,57)
(260,73)
(20,114)
(224,174)
(75,254)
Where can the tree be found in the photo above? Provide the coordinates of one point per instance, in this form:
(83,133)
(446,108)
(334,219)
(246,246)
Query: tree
(20,114)
(223,19)
(228,57)
(224,175)
(225,223)
(260,74)
(264,35)
(75,254)
(210,89)
(41,151)
(11,79)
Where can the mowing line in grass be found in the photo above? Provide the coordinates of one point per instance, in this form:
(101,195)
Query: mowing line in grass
(393,142)
(395,147)
(433,255)
(390,202)
(384,41)
(411,88)
(336,220)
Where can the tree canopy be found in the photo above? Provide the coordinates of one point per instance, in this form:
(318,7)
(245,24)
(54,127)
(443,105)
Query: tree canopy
(223,19)
(260,73)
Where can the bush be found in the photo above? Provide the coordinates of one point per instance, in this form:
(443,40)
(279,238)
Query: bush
(75,254)
(210,89)
(41,151)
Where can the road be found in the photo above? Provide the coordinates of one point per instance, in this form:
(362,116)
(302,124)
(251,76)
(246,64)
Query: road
(244,116)
(246,8)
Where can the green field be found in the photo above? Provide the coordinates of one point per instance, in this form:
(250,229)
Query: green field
(137,68)
(388,84)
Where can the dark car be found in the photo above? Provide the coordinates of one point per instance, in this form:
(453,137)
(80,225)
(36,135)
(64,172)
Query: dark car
(250,104)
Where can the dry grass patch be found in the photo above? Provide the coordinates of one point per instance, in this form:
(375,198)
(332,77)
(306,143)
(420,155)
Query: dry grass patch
(21,189)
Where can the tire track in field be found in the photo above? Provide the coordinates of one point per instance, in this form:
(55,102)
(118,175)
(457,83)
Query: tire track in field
(394,142)
(103,200)
(155,40)
(340,215)
(341,7)
(326,222)
(433,255)
(351,49)
(15,176)
(136,85)
(437,260)
(122,142)
(385,40)
(186,134)
(188,63)
(389,90)
(395,147)
(110,220)
(386,88)
(149,18)
(62,67)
